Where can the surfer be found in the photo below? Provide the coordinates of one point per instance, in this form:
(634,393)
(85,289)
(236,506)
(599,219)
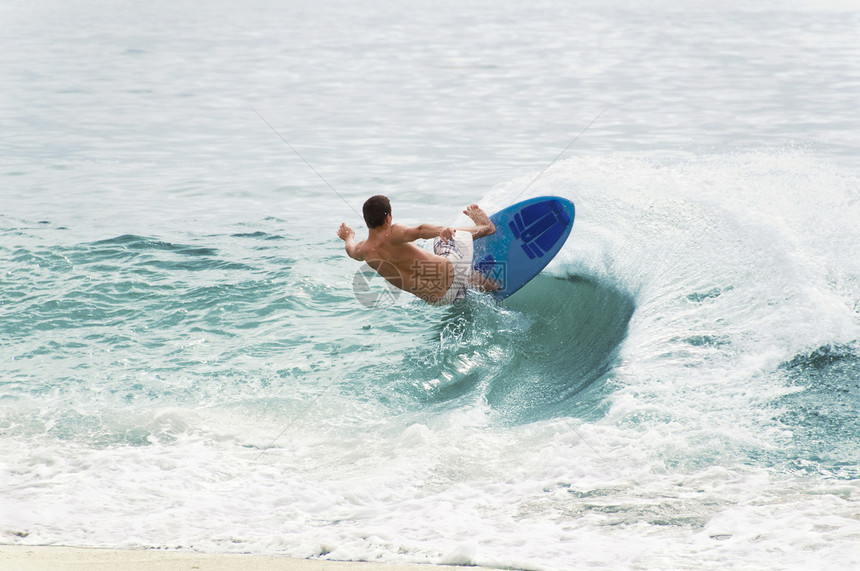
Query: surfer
(439,277)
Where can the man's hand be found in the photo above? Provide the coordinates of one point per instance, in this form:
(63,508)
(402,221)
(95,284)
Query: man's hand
(447,233)
(345,232)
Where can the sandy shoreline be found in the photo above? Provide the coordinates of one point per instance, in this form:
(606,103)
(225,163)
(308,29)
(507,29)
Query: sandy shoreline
(50,558)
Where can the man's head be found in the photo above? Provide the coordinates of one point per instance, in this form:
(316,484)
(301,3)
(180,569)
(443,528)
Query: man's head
(376,209)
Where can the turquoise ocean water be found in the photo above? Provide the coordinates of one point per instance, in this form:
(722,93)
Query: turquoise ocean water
(184,363)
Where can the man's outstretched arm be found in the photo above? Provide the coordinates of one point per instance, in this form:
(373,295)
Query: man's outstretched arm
(423,231)
(347,234)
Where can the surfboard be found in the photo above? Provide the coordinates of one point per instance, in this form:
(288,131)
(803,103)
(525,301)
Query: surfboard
(528,236)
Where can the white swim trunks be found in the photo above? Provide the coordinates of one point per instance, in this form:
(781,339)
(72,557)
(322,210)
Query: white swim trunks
(459,252)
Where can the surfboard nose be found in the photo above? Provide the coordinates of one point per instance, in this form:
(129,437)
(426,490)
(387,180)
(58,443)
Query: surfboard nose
(529,234)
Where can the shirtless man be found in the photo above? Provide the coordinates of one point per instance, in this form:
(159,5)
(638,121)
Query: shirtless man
(439,277)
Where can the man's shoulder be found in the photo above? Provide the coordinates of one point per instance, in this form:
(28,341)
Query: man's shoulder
(358,251)
(403,233)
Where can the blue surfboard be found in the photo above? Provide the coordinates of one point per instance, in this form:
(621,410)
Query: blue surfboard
(528,235)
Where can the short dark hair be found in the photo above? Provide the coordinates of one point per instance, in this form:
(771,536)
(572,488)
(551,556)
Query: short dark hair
(375,209)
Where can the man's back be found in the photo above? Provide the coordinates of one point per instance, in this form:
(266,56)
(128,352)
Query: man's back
(396,258)
(389,249)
